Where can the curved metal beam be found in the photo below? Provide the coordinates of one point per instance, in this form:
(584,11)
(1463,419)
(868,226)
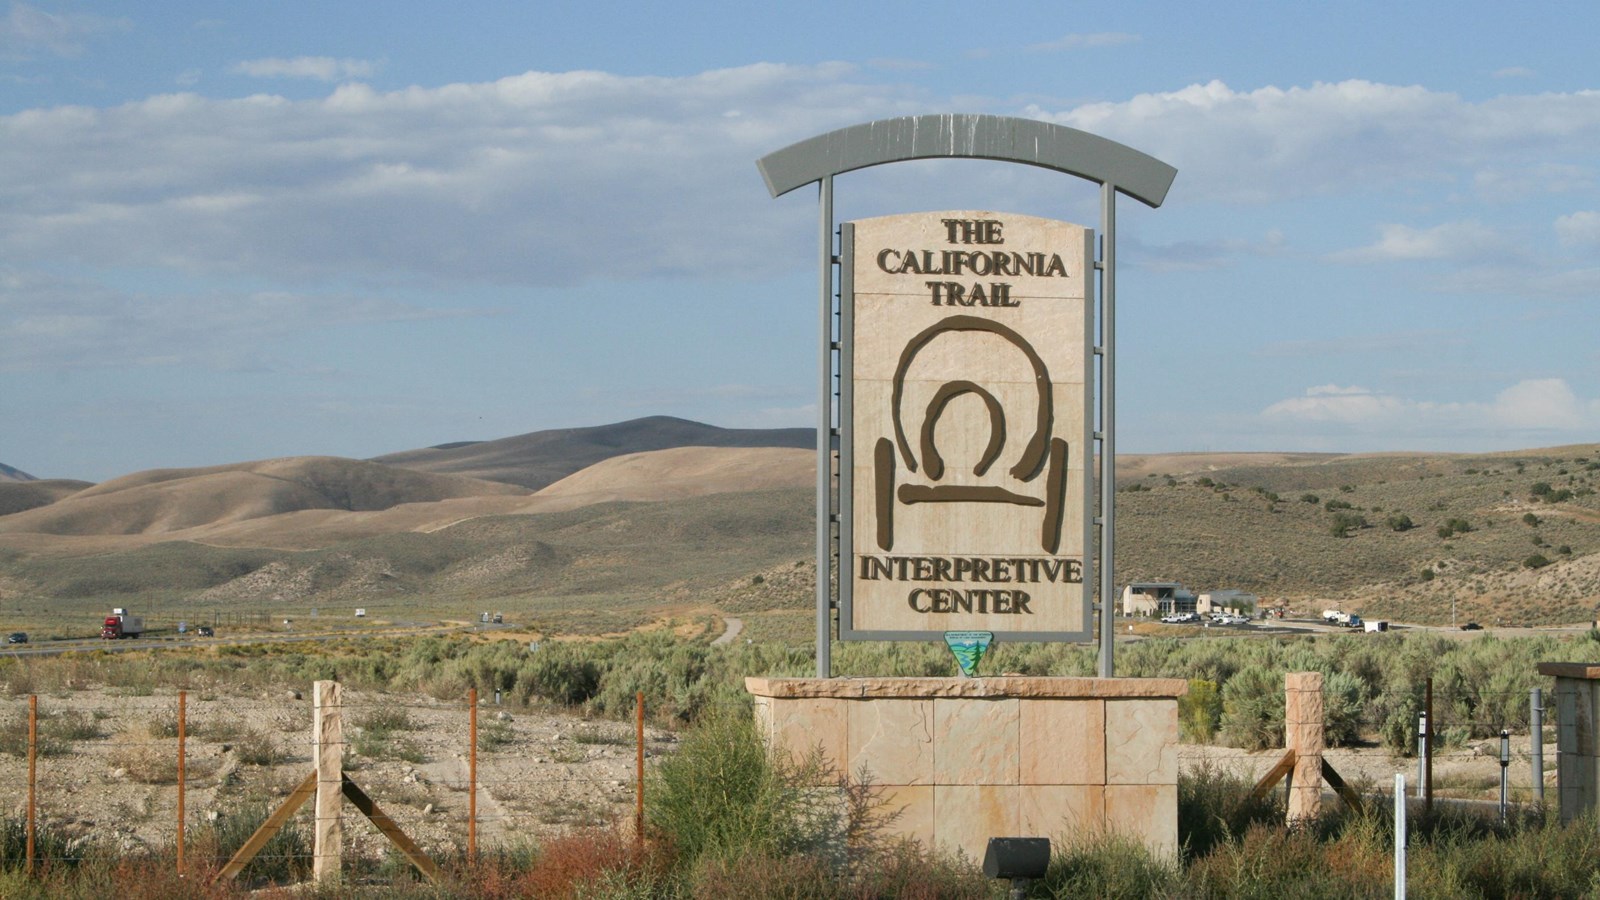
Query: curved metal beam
(944,136)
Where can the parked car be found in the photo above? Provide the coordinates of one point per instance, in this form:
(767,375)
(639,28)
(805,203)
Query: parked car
(1472,626)
(17,637)
(204,631)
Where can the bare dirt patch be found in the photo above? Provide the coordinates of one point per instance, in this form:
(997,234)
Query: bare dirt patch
(108,765)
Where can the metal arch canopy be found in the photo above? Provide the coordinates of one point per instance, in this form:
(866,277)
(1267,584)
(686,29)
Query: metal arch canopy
(943,136)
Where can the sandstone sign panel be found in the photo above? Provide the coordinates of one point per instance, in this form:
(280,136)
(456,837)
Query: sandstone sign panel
(965,448)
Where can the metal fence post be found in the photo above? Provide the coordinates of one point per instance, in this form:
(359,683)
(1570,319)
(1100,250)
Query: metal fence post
(183,734)
(33,780)
(1399,836)
(472,773)
(1422,752)
(638,740)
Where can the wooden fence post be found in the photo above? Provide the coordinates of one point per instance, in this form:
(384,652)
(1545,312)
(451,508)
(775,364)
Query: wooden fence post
(328,733)
(1302,721)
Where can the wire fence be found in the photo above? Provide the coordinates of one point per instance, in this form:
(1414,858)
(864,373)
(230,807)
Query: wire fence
(102,771)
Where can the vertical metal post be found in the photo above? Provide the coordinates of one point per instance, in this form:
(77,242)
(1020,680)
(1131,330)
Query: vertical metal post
(472,773)
(183,737)
(1108,429)
(33,780)
(1427,755)
(825,431)
(1536,742)
(1399,836)
(1422,752)
(638,768)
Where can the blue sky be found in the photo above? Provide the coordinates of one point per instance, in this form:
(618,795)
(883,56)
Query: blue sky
(246,230)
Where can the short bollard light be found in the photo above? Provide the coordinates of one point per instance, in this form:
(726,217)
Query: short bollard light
(1020,859)
(1505,763)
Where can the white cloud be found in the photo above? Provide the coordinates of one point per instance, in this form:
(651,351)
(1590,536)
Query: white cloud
(1276,143)
(1532,410)
(540,178)
(1579,229)
(27,31)
(1468,240)
(318,68)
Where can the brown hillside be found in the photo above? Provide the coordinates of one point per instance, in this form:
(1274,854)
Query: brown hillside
(542,458)
(172,500)
(1141,465)
(687,472)
(16,496)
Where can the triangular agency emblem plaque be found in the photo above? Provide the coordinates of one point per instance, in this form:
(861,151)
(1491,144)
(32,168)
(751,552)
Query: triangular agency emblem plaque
(968,648)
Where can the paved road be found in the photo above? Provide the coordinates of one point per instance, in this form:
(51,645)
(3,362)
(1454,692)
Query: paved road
(732,630)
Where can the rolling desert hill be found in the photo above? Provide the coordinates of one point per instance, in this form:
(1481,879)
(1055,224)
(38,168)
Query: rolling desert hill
(16,496)
(163,501)
(1511,537)
(541,458)
(686,472)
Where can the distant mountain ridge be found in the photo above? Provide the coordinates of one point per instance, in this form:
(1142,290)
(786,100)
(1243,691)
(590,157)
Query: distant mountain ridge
(7,473)
(541,458)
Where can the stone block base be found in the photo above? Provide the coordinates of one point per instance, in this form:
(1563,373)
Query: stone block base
(966,759)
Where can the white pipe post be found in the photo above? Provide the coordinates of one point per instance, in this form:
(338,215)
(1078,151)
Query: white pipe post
(1399,836)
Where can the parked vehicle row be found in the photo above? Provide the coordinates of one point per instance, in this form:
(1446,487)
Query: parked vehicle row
(1213,619)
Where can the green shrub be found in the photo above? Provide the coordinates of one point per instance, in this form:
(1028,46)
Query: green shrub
(285,857)
(1536,561)
(1113,867)
(563,675)
(1252,709)
(1215,805)
(723,795)
(1399,522)
(52,845)
(1343,523)
(1200,711)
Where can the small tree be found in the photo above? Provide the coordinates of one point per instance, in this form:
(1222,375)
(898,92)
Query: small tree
(1343,523)
(1399,522)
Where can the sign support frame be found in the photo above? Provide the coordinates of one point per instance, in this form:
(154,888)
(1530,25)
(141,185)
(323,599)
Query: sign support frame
(1115,167)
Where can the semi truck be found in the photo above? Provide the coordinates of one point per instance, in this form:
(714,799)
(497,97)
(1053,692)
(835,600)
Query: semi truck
(121,625)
